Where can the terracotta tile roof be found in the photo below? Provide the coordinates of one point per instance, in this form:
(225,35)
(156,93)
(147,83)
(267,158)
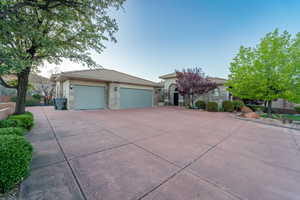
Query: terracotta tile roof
(106,75)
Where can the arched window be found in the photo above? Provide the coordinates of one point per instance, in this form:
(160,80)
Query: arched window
(216,92)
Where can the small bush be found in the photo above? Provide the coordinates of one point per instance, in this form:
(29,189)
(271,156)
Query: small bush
(227,106)
(15,158)
(237,105)
(10,123)
(297,108)
(26,120)
(30,101)
(37,97)
(200,104)
(212,106)
(12,131)
(256,107)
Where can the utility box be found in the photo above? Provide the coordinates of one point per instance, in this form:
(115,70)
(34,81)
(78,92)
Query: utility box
(60,103)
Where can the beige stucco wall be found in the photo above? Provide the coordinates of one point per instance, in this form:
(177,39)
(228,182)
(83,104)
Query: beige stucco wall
(59,89)
(169,82)
(113,96)
(218,95)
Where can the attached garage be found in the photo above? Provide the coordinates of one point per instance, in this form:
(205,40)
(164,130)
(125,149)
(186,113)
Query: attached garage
(104,89)
(135,98)
(89,97)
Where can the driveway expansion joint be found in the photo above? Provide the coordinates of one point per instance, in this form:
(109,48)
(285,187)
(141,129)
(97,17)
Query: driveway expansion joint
(222,188)
(260,160)
(66,159)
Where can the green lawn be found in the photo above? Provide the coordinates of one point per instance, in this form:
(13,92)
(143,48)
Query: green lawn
(286,116)
(293,117)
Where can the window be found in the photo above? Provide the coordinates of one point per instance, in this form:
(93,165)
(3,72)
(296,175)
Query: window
(216,92)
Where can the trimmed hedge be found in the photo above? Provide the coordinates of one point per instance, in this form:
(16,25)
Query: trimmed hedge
(227,106)
(9,123)
(237,104)
(256,107)
(12,131)
(297,108)
(212,107)
(200,104)
(30,101)
(26,120)
(15,158)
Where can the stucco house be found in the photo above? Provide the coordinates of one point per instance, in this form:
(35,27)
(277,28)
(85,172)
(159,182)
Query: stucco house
(104,88)
(172,97)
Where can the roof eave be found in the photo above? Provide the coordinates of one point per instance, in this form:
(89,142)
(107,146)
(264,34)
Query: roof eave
(105,81)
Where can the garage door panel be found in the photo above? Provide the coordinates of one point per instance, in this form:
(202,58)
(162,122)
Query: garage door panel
(135,98)
(89,97)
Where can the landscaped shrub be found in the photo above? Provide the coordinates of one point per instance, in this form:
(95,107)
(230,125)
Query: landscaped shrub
(237,104)
(12,131)
(200,104)
(37,97)
(297,108)
(15,158)
(26,120)
(30,101)
(10,123)
(212,106)
(227,106)
(256,107)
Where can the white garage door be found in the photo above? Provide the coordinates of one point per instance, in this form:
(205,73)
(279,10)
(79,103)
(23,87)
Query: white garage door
(89,97)
(135,98)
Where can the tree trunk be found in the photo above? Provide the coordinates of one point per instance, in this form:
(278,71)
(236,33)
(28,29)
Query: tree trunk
(265,105)
(269,108)
(22,90)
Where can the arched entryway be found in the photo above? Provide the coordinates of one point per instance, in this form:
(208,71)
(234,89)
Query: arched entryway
(173,95)
(176,98)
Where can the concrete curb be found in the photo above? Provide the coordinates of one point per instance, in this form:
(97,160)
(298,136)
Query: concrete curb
(267,123)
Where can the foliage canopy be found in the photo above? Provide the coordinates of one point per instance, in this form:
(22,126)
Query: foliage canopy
(269,71)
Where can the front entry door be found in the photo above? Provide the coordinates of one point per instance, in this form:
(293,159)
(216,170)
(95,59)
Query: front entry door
(176,99)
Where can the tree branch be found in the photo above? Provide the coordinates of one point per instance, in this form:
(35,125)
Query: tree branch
(46,5)
(2,82)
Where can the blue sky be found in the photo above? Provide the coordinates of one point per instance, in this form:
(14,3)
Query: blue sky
(158,36)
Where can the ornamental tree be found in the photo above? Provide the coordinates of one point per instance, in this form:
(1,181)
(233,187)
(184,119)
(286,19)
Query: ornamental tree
(34,32)
(192,82)
(269,71)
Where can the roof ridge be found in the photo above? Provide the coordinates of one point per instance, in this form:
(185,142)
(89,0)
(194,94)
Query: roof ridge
(130,75)
(83,70)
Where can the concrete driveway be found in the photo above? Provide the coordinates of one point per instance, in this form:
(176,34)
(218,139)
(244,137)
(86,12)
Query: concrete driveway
(159,153)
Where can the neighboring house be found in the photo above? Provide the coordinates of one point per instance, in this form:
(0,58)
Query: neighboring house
(172,97)
(104,88)
(37,84)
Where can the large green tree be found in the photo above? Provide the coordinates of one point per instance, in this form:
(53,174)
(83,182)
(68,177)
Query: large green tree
(269,71)
(33,32)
